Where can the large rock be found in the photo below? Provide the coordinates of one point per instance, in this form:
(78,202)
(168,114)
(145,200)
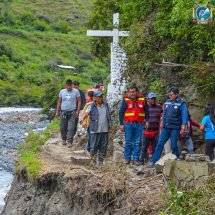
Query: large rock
(118,149)
(197,157)
(188,174)
(159,165)
(118,156)
(80,157)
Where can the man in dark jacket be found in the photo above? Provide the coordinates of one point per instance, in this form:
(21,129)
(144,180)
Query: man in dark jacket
(174,121)
(100,125)
(76,85)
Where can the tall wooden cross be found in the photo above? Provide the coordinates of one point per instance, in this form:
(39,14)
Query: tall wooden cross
(115,33)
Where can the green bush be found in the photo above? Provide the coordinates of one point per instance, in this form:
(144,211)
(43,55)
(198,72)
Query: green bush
(196,202)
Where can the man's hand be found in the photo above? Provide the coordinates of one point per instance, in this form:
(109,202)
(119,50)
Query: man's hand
(147,125)
(83,123)
(110,130)
(183,128)
(57,114)
(77,114)
(122,128)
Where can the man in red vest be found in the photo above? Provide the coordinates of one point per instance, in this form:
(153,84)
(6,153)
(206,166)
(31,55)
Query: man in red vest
(133,111)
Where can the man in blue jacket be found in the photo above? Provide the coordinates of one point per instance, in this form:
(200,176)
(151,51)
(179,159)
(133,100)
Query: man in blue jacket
(174,121)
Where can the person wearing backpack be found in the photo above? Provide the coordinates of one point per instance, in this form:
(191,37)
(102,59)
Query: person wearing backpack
(208,127)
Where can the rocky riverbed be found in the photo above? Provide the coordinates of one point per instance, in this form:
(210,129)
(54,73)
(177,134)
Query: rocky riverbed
(15,124)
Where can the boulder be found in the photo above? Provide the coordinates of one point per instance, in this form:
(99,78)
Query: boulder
(190,174)
(118,149)
(160,164)
(118,156)
(197,157)
(80,157)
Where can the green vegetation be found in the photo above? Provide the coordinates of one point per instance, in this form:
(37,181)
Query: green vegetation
(36,36)
(31,147)
(191,202)
(162,30)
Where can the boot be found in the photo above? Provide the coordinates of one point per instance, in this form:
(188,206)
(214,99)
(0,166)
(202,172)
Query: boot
(137,163)
(64,142)
(93,160)
(101,160)
(127,162)
(69,143)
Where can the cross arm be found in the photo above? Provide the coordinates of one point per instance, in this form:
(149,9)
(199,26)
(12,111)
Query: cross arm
(98,33)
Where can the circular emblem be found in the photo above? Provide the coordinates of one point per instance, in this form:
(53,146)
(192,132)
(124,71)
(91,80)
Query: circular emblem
(202,12)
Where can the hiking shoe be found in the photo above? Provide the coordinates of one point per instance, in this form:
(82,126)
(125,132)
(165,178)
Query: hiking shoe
(127,162)
(69,144)
(137,163)
(101,163)
(64,142)
(149,165)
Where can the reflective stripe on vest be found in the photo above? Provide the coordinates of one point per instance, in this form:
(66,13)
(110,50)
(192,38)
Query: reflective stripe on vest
(132,114)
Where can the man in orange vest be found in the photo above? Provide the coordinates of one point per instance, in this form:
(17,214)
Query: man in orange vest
(133,111)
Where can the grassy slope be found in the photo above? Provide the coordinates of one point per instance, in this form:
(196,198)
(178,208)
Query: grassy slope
(37,35)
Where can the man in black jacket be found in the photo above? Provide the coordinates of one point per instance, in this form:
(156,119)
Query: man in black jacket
(76,85)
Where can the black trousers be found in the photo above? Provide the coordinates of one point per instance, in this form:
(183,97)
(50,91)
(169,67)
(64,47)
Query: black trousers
(145,145)
(210,145)
(98,143)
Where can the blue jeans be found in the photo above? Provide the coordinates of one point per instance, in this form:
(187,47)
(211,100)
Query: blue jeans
(167,133)
(133,137)
(189,143)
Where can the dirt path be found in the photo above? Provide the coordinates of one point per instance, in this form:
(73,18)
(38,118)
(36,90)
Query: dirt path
(140,194)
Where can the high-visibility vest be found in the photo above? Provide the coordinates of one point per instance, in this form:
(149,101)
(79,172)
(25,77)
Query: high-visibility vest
(135,110)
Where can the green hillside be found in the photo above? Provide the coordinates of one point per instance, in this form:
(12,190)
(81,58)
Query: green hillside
(36,36)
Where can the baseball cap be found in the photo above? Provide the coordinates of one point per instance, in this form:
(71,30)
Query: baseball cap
(151,95)
(97,94)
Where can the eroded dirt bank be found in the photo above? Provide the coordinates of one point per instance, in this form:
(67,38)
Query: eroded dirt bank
(67,185)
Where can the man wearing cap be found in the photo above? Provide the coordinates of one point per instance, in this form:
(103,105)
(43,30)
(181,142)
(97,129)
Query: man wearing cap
(69,102)
(132,113)
(86,122)
(100,125)
(151,135)
(174,121)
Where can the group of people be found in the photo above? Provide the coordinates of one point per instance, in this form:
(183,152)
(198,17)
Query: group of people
(147,125)
(96,118)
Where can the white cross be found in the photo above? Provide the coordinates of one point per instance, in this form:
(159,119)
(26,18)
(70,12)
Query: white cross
(115,33)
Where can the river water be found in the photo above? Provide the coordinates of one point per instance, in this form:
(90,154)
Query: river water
(15,124)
